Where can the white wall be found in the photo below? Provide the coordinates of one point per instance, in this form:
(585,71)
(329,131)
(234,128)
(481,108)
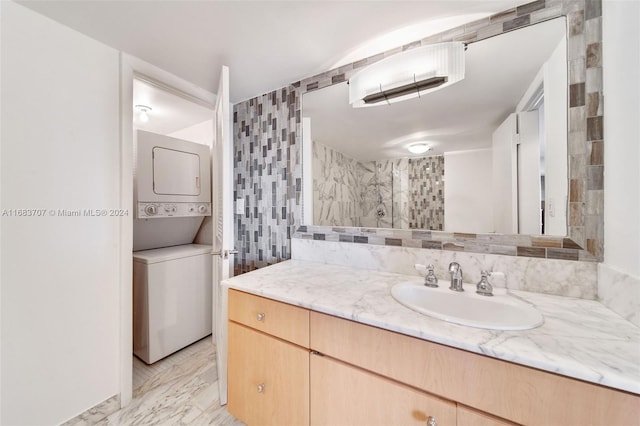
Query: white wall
(198,133)
(60,275)
(621,47)
(468,182)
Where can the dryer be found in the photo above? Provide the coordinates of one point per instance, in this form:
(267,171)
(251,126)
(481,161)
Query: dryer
(173,177)
(172,190)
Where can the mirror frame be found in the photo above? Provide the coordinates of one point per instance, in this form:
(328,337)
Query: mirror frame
(585,150)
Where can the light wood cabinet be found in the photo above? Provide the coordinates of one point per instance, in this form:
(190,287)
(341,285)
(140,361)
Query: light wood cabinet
(469,417)
(268,378)
(359,374)
(278,319)
(509,391)
(345,395)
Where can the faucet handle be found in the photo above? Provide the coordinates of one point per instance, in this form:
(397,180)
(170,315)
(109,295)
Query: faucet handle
(484,287)
(430,280)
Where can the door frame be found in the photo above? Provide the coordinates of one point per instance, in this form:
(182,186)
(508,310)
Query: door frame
(130,67)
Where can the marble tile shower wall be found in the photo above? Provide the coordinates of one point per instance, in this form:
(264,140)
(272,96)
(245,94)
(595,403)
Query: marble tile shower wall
(426,199)
(376,189)
(400,193)
(264,231)
(336,193)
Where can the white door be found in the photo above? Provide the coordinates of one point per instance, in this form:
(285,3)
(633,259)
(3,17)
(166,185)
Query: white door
(529,191)
(505,207)
(223,224)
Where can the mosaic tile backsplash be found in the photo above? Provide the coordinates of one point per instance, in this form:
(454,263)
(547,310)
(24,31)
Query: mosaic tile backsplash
(268,135)
(550,276)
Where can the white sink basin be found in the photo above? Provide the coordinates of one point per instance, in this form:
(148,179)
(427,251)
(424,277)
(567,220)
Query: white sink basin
(498,312)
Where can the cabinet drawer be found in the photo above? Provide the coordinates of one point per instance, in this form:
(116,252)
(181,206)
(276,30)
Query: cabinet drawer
(279,319)
(520,394)
(346,395)
(268,379)
(470,417)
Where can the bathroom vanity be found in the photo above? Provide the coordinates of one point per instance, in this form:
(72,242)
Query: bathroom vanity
(311,343)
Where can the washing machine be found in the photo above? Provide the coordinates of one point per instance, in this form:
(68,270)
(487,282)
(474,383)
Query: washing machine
(172,299)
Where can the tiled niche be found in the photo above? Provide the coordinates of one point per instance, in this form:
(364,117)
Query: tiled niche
(268,136)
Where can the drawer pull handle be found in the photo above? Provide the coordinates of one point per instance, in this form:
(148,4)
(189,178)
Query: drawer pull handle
(431,421)
(261,316)
(260,387)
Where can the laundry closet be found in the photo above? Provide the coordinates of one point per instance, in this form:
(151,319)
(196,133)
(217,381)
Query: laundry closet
(172,281)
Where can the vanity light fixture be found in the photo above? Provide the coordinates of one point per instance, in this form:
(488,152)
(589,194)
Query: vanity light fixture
(418,148)
(143,112)
(408,75)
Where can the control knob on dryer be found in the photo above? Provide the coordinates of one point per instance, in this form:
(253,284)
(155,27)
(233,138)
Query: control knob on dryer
(151,210)
(202,208)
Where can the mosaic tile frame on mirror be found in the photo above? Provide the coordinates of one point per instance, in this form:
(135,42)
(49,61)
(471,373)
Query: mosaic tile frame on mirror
(509,245)
(585,138)
(268,153)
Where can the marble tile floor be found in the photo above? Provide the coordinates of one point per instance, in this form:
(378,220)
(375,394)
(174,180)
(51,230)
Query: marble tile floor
(181,389)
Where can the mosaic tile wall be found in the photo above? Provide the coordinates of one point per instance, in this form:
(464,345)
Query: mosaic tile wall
(254,128)
(268,177)
(426,198)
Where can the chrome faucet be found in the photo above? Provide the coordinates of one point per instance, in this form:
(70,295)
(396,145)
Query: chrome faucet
(456,276)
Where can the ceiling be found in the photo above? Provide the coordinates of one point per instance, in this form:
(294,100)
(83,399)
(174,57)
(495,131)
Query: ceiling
(460,117)
(169,113)
(266,44)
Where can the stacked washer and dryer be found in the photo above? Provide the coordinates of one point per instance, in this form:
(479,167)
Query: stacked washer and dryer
(172,282)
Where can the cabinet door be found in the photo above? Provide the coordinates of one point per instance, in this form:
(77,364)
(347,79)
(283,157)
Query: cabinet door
(504,389)
(345,395)
(268,379)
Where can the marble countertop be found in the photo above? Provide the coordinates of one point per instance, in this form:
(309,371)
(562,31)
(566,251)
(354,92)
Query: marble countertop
(579,338)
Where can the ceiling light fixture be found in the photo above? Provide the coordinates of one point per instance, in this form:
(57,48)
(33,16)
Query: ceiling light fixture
(407,75)
(143,112)
(418,148)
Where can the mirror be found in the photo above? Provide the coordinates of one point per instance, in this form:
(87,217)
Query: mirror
(498,146)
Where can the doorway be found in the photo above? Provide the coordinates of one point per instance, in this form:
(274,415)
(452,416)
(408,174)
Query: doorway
(137,78)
